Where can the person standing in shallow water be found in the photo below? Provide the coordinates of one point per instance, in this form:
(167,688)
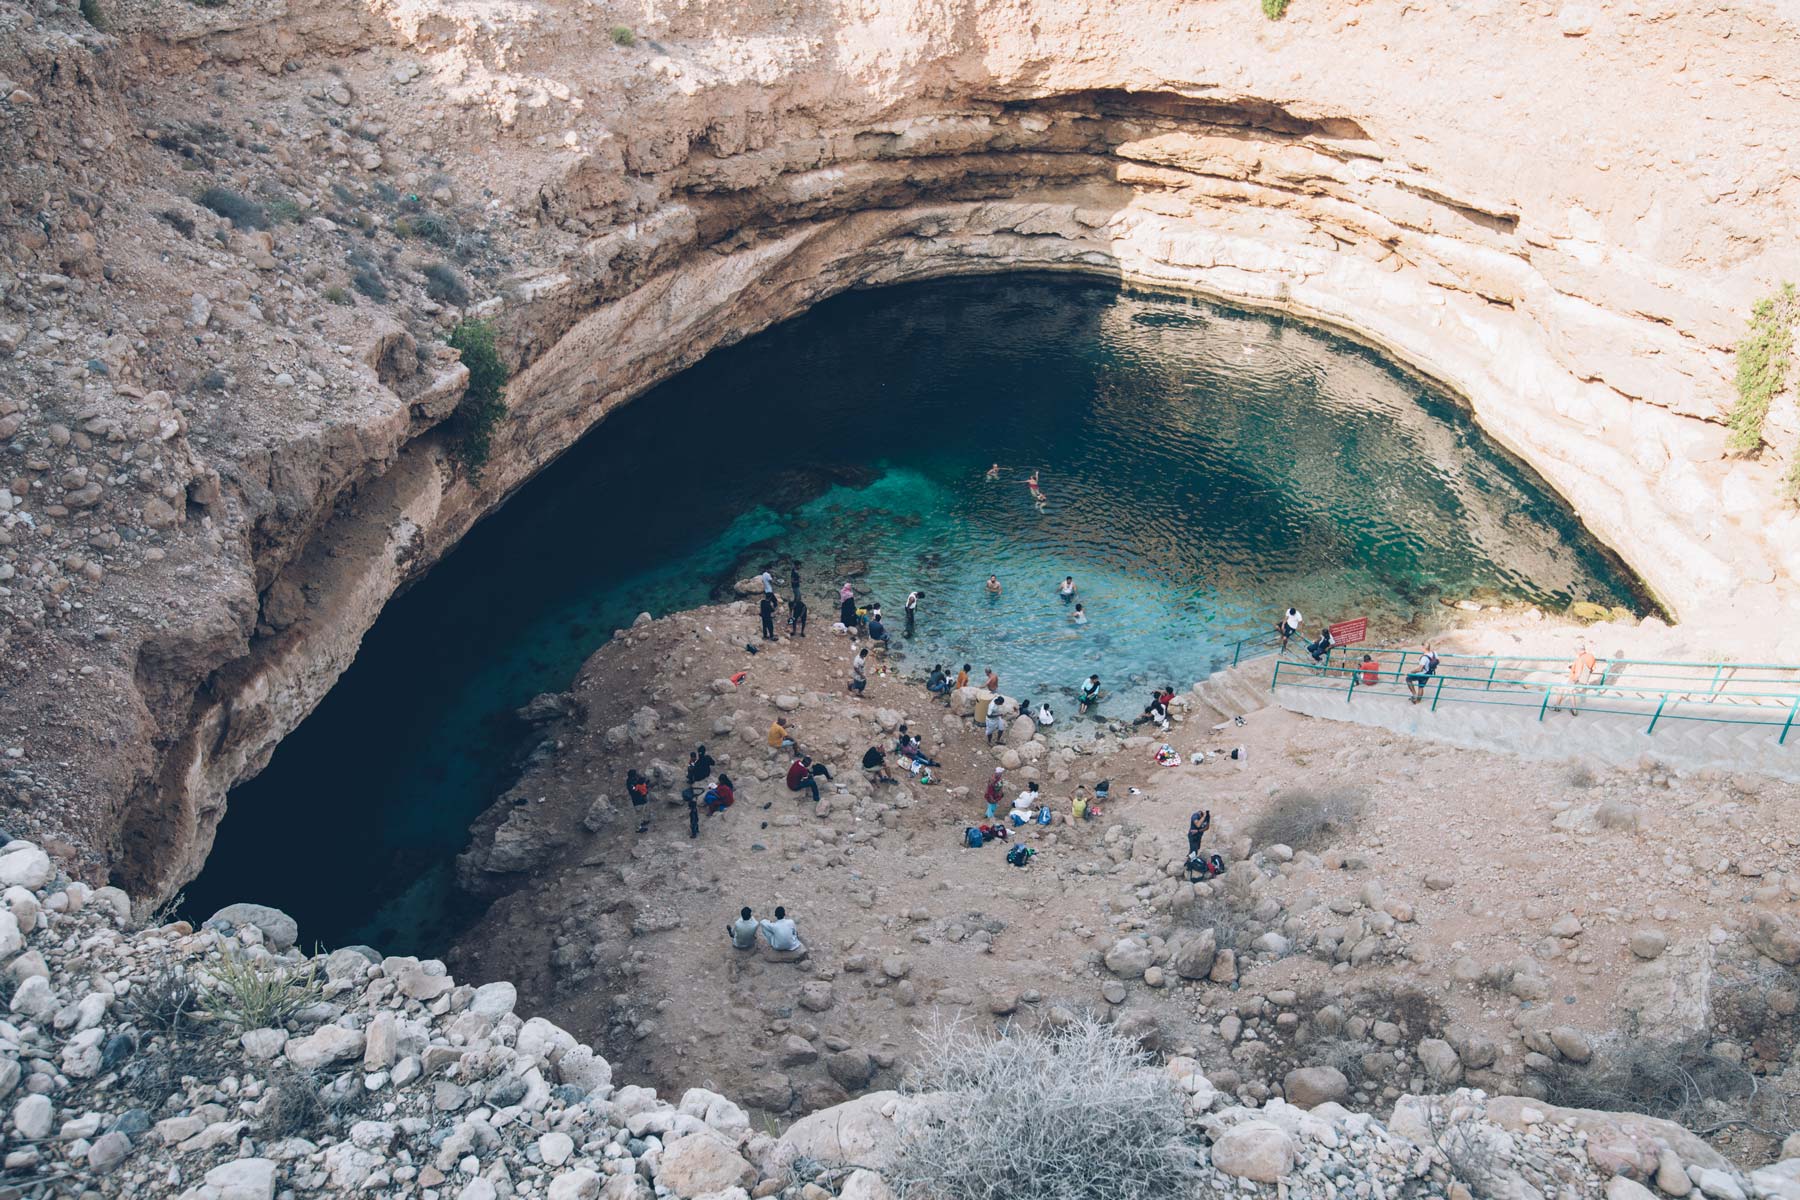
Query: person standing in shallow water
(910,608)
(1067,590)
(993,585)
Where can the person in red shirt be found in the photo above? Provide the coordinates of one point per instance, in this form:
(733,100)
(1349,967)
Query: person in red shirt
(994,794)
(720,796)
(1371,670)
(803,772)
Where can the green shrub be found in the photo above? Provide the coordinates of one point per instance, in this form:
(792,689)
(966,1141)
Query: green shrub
(1274,9)
(252,995)
(484,403)
(339,295)
(241,211)
(90,10)
(442,285)
(284,209)
(1790,483)
(1762,363)
(622,36)
(435,230)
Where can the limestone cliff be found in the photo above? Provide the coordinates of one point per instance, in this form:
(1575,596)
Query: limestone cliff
(223,425)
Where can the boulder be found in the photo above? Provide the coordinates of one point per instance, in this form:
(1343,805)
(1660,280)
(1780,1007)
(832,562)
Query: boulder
(1129,958)
(1772,935)
(1649,944)
(279,930)
(1440,1061)
(22,864)
(1192,953)
(864,1131)
(329,1044)
(1255,1150)
(700,1163)
(244,1179)
(1309,1087)
(865,1185)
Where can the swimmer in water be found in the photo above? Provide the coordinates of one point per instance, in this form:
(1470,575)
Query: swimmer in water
(993,585)
(993,472)
(1032,483)
(1078,616)
(1067,590)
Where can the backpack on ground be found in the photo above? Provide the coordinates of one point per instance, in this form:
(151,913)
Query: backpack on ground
(994,833)
(1044,816)
(972,837)
(1018,856)
(1201,867)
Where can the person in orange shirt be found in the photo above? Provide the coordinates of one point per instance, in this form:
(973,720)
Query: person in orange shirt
(1371,670)
(1581,673)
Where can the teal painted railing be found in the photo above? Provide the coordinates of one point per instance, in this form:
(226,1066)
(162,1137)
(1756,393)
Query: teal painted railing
(1659,690)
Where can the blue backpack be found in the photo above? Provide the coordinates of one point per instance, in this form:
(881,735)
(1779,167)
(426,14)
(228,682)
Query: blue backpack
(1044,817)
(972,838)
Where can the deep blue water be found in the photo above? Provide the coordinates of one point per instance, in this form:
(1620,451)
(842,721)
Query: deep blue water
(1202,468)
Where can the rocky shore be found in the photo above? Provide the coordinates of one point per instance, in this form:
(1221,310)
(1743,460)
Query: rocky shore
(1472,948)
(222,1063)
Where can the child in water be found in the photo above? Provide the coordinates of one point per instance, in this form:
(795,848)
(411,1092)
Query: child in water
(1078,616)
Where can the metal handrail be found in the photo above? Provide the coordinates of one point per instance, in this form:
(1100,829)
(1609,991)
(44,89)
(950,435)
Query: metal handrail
(1581,697)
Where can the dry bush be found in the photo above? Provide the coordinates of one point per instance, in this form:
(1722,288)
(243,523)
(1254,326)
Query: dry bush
(1075,1114)
(1419,1013)
(1474,1152)
(1757,1005)
(166,1002)
(293,1107)
(1302,819)
(1682,1082)
(1232,925)
(1582,776)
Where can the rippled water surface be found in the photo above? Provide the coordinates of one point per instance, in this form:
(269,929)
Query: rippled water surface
(1202,468)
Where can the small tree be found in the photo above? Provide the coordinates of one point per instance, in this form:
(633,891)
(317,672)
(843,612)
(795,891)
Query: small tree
(484,402)
(1762,365)
(1274,9)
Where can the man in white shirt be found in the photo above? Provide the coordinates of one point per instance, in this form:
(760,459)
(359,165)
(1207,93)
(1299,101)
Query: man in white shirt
(1290,625)
(743,930)
(768,582)
(780,934)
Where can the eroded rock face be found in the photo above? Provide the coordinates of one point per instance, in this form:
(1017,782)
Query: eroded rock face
(287,469)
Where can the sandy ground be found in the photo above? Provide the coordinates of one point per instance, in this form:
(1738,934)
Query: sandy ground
(1459,867)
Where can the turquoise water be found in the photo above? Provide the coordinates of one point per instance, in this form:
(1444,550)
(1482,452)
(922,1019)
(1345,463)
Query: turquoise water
(1202,468)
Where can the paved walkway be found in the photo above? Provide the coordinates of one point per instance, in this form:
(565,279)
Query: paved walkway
(1600,738)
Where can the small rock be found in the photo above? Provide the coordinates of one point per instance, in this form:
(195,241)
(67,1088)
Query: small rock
(1649,944)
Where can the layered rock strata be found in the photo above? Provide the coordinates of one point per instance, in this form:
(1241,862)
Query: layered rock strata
(225,445)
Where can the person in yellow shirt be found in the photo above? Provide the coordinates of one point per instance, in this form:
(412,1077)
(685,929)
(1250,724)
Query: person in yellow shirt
(778,735)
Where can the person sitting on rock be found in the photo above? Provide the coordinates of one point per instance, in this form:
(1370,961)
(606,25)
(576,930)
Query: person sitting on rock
(743,931)
(938,684)
(804,773)
(720,796)
(878,632)
(874,765)
(911,749)
(1090,695)
(778,735)
(1044,716)
(700,765)
(1025,804)
(781,936)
